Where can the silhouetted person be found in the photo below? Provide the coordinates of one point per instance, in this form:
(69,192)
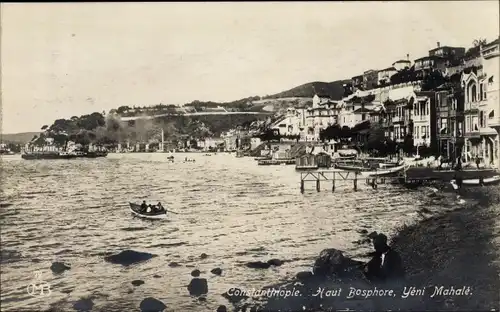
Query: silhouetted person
(386,264)
(144,206)
(477,162)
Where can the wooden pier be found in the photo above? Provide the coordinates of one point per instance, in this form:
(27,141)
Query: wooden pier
(332,176)
(411,176)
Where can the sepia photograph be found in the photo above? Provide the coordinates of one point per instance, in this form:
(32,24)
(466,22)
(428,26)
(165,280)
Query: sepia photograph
(250,156)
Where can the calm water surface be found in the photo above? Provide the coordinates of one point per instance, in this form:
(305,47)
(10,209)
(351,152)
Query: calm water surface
(76,211)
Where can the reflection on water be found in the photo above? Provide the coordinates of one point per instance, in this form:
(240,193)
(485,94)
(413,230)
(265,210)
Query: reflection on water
(76,211)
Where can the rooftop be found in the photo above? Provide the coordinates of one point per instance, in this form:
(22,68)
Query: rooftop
(388,68)
(401,61)
(447,47)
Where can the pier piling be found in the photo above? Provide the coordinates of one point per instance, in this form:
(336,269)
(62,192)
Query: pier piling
(355,181)
(318,187)
(302,186)
(333,183)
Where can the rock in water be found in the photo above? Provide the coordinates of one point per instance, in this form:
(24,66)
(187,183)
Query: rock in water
(129,257)
(195,273)
(222,308)
(330,262)
(137,282)
(275,262)
(203,256)
(59,267)
(258,265)
(216,271)
(83,305)
(151,304)
(198,287)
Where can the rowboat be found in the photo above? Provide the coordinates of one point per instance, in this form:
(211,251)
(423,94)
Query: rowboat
(486,181)
(381,172)
(135,209)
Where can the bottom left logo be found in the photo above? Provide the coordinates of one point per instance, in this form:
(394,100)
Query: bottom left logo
(38,287)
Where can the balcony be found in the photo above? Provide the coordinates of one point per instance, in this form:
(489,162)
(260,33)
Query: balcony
(494,123)
(475,134)
(471,107)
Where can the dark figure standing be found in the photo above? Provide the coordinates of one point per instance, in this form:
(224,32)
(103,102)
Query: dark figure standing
(386,264)
(477,162)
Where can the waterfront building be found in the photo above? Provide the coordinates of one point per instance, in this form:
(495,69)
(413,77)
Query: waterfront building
(357,83)
(292,123)
(356,110)
(323,113)
(402,64)
(384,76)
(450,123)
(491,65)
(447,52)
(370,79)
(480,138)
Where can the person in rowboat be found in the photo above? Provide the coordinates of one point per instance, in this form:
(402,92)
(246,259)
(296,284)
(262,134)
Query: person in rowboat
(144,206)
(161,208)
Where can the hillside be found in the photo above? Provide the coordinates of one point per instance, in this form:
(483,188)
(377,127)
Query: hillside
(334,89)
(18,138)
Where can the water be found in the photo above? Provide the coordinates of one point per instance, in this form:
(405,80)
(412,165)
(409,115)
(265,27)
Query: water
(76,211)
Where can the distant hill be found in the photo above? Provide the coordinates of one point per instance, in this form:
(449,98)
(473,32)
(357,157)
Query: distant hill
(334,89)
(20,138)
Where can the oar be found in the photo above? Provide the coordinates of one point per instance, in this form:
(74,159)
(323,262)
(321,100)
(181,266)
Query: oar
(172,211)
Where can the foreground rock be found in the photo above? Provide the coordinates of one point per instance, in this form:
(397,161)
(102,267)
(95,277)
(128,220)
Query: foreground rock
(137,282)
(83,305)
(216,271)
(59,267)
(151,304)
(129,257)
(331,262)
(198,287)
(264,265)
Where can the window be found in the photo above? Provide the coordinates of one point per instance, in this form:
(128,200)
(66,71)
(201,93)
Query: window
(484,91)
(474,93)
(444,126)
(416,131)
(475,126)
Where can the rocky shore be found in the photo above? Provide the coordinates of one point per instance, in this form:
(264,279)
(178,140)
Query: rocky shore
(451,258)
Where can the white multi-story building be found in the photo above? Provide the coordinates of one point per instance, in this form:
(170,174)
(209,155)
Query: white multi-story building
(323,113)
(293,123)
(480,138)
(491,68)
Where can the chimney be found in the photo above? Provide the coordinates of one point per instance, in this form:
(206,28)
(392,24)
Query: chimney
(438,44)
(407,57)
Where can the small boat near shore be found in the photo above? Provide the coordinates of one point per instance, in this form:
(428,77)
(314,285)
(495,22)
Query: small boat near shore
(477,182)
(276,162)
(135,209)
(61,155)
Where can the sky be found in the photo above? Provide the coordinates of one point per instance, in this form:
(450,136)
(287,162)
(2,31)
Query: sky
(64,59)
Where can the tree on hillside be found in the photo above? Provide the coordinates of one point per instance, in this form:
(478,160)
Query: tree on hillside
(479,42)
(376,138)
(332,132)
